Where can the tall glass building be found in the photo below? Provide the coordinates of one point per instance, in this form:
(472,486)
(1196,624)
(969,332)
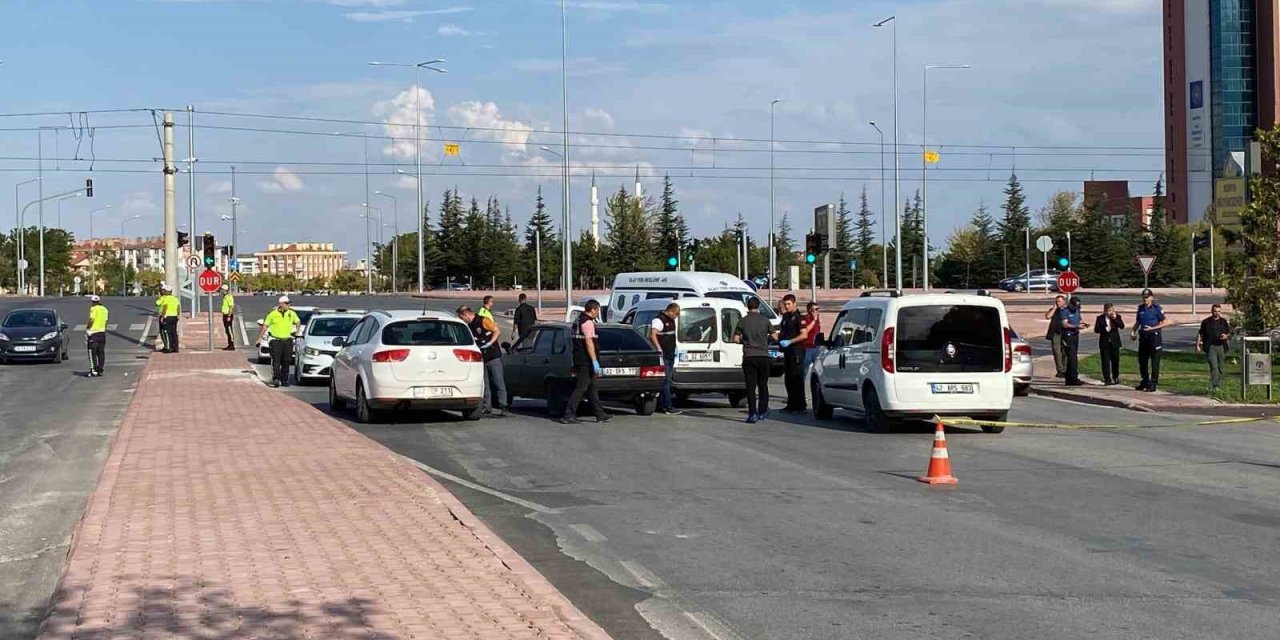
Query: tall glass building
(1233,89)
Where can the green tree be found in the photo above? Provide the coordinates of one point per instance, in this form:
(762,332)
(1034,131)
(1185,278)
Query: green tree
(347,280)
(965,247)
(628,235)
(591,263)
(785,249)
(912,242)
(1251,278)
(987,267)
(668,228)
(450,238)
(1102,246)
(868,253)
(846,246)
(1013,226)
(541,230)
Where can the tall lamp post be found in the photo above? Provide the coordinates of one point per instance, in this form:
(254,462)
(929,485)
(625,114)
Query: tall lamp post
(417,147)
(897,169)
(368,246)
(59,201)
(21,241)
(773,261)
(395,243)
(124,265)
(884,241)
(566,240)
(924,165)
(93,259)
(567,244)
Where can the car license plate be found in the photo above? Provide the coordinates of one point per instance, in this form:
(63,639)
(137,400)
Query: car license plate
(433,392)
(24,349)
(773,353)
(952,387)
(622,371)
(702,356)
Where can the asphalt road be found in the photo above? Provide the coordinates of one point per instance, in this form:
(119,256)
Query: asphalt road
(704,527)
(56,426)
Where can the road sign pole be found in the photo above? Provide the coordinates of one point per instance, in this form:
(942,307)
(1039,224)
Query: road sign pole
(209,306)
(1193,281)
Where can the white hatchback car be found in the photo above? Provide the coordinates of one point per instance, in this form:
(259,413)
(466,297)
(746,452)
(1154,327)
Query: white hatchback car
(264,345)
(408,360)
(892,357)
(314,349)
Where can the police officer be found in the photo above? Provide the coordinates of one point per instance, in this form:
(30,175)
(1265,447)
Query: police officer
(228,316)
(281,323)
(662,334)
(486,332)
(1070,324)
(1147,331)
(167,309)
(486,307)
(792,333)
(96,336)
(1054,335)
(586,361)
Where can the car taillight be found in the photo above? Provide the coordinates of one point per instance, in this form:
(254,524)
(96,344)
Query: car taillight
(1008,350)
(653,372)
(1022,349)
(468,355)
(391,355)
(887,350)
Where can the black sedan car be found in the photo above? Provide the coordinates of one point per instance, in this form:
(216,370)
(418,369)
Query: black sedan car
(33,334)
(540,366)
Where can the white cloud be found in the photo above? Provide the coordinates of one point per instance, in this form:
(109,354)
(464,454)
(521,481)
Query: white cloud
(139,202)
(282,180)
(452,30)
(597,117)
(615,6)
(513,134)
(398,115)
(401,15)
(218,187)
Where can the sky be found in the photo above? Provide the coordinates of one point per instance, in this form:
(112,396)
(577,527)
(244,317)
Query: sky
(1057,89)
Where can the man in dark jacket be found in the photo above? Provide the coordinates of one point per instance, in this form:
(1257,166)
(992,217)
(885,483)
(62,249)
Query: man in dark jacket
(1213,339)
(525,317)
(1069,317)
(1108,326)
(1054,335)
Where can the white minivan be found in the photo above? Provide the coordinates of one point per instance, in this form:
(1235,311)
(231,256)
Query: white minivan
(709,362)
(891,357)
(630,289)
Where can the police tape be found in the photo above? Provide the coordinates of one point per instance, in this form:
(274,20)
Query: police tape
(970,422)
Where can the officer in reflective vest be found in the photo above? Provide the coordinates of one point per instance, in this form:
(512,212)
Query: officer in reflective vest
(281,324)
(167,309)
(228,316)
(586,364)
(662,333)
(96,336)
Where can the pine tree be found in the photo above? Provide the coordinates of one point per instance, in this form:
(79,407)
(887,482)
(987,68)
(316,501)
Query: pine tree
(1013,226)
(449,238)
(591,262)
(845,246)
(988,267)
(628,235)
(912,242)
(865,243)
(785,251)
(668,224)
(541,229)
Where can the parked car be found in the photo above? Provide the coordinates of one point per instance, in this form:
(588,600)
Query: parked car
(264,345)
(407,360)
(314,349)
(1023,365)
(892,357)
(458,286)
(33,334)
(540,366)
(1035,280)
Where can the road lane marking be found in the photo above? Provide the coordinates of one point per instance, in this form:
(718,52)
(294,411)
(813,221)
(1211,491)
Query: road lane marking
(521,482)
(142,342)
(643,576)
(79,327)
(532,506)
(474,447)
(711,626)
(112,327)
(588,532)
(136,327)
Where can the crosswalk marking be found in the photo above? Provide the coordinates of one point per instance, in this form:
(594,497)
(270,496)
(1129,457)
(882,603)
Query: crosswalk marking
(135,327)
(80,327)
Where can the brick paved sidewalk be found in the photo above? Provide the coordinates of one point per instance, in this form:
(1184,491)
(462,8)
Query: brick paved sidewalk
(263,518)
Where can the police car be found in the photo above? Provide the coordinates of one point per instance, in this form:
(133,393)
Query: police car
(264,345)
(314,349)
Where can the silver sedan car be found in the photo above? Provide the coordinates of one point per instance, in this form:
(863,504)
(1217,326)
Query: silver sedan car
(1023,366)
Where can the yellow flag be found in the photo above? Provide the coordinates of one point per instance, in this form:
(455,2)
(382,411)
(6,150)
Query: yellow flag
(932,157)
(451,148)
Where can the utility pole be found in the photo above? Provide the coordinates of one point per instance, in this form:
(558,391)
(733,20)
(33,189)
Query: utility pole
(537,252)
(191,202)
(170,208)
(40,174)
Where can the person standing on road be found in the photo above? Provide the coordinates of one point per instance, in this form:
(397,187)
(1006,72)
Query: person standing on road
(1108,327)
(812,327)
(1213,339)
(1054,335)
(792,333)
(662,333)
(167,309)
(96,336)
(486,332)
(753,333)
(586,362)
(228,316)
(486,308)
(282,323)
(525,317)
(1146,331)
(1069,319)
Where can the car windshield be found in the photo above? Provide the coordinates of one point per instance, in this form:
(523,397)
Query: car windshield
(331,327)
(19,319)
(621,339)
(743,297)
(427,333)
(950,338)
(304,316)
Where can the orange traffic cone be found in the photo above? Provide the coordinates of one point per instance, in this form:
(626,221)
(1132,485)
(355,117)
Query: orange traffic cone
(939,463)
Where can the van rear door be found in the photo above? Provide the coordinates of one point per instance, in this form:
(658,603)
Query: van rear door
(951,355)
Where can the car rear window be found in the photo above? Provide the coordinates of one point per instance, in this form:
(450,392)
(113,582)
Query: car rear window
(427,333)
(621,339)
(950,338)
(698,325)
(329,327)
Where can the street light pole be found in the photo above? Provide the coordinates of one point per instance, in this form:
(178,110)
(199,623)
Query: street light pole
(395,244)
(773,262)
(21,241)
(235,238)
(897,168)
(884,247)
(368,260)
(93,258)
(924,165)
(60,207)
(124,266)
(567,243)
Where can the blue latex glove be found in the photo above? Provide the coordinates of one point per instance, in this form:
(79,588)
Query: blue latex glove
(784,343)
(595,366)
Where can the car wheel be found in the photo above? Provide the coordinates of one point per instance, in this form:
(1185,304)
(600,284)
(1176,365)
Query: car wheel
(1022,390)
(736,398)
(1019,287)
(555,399)
(821,410)
(365,414)
(336,402)
(646,405)
(999,417)
(877,421)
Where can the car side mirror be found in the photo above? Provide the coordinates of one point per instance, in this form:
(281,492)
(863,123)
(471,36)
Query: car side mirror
(63,326)
(339,341)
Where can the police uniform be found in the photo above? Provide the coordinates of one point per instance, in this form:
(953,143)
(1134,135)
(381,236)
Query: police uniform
(585,382)
(167,308)
(793,360)
(665,326)
(279,325)
(228,316)
(96,336)
(495,389)
(1150,345)
(1070,316)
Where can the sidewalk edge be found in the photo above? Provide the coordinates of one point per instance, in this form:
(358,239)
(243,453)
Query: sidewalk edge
(1060,394)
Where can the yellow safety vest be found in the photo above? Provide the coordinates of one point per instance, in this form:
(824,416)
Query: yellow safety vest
(97,319)
(280,325)
(228,305)
(168,306)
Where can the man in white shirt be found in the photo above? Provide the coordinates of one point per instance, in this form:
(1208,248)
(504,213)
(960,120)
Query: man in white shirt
(662,333)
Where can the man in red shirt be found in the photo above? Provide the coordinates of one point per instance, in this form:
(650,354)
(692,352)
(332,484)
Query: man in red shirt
(812,323)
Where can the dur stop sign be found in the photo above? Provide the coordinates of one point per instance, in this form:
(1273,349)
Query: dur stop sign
(1068,282)
(210,281)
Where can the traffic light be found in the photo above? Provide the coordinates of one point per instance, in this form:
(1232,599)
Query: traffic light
(693,249)
(88,188)
(210,248)
(824,242)
(1200,241)
(812,247)
(1063,262)
(183,239)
